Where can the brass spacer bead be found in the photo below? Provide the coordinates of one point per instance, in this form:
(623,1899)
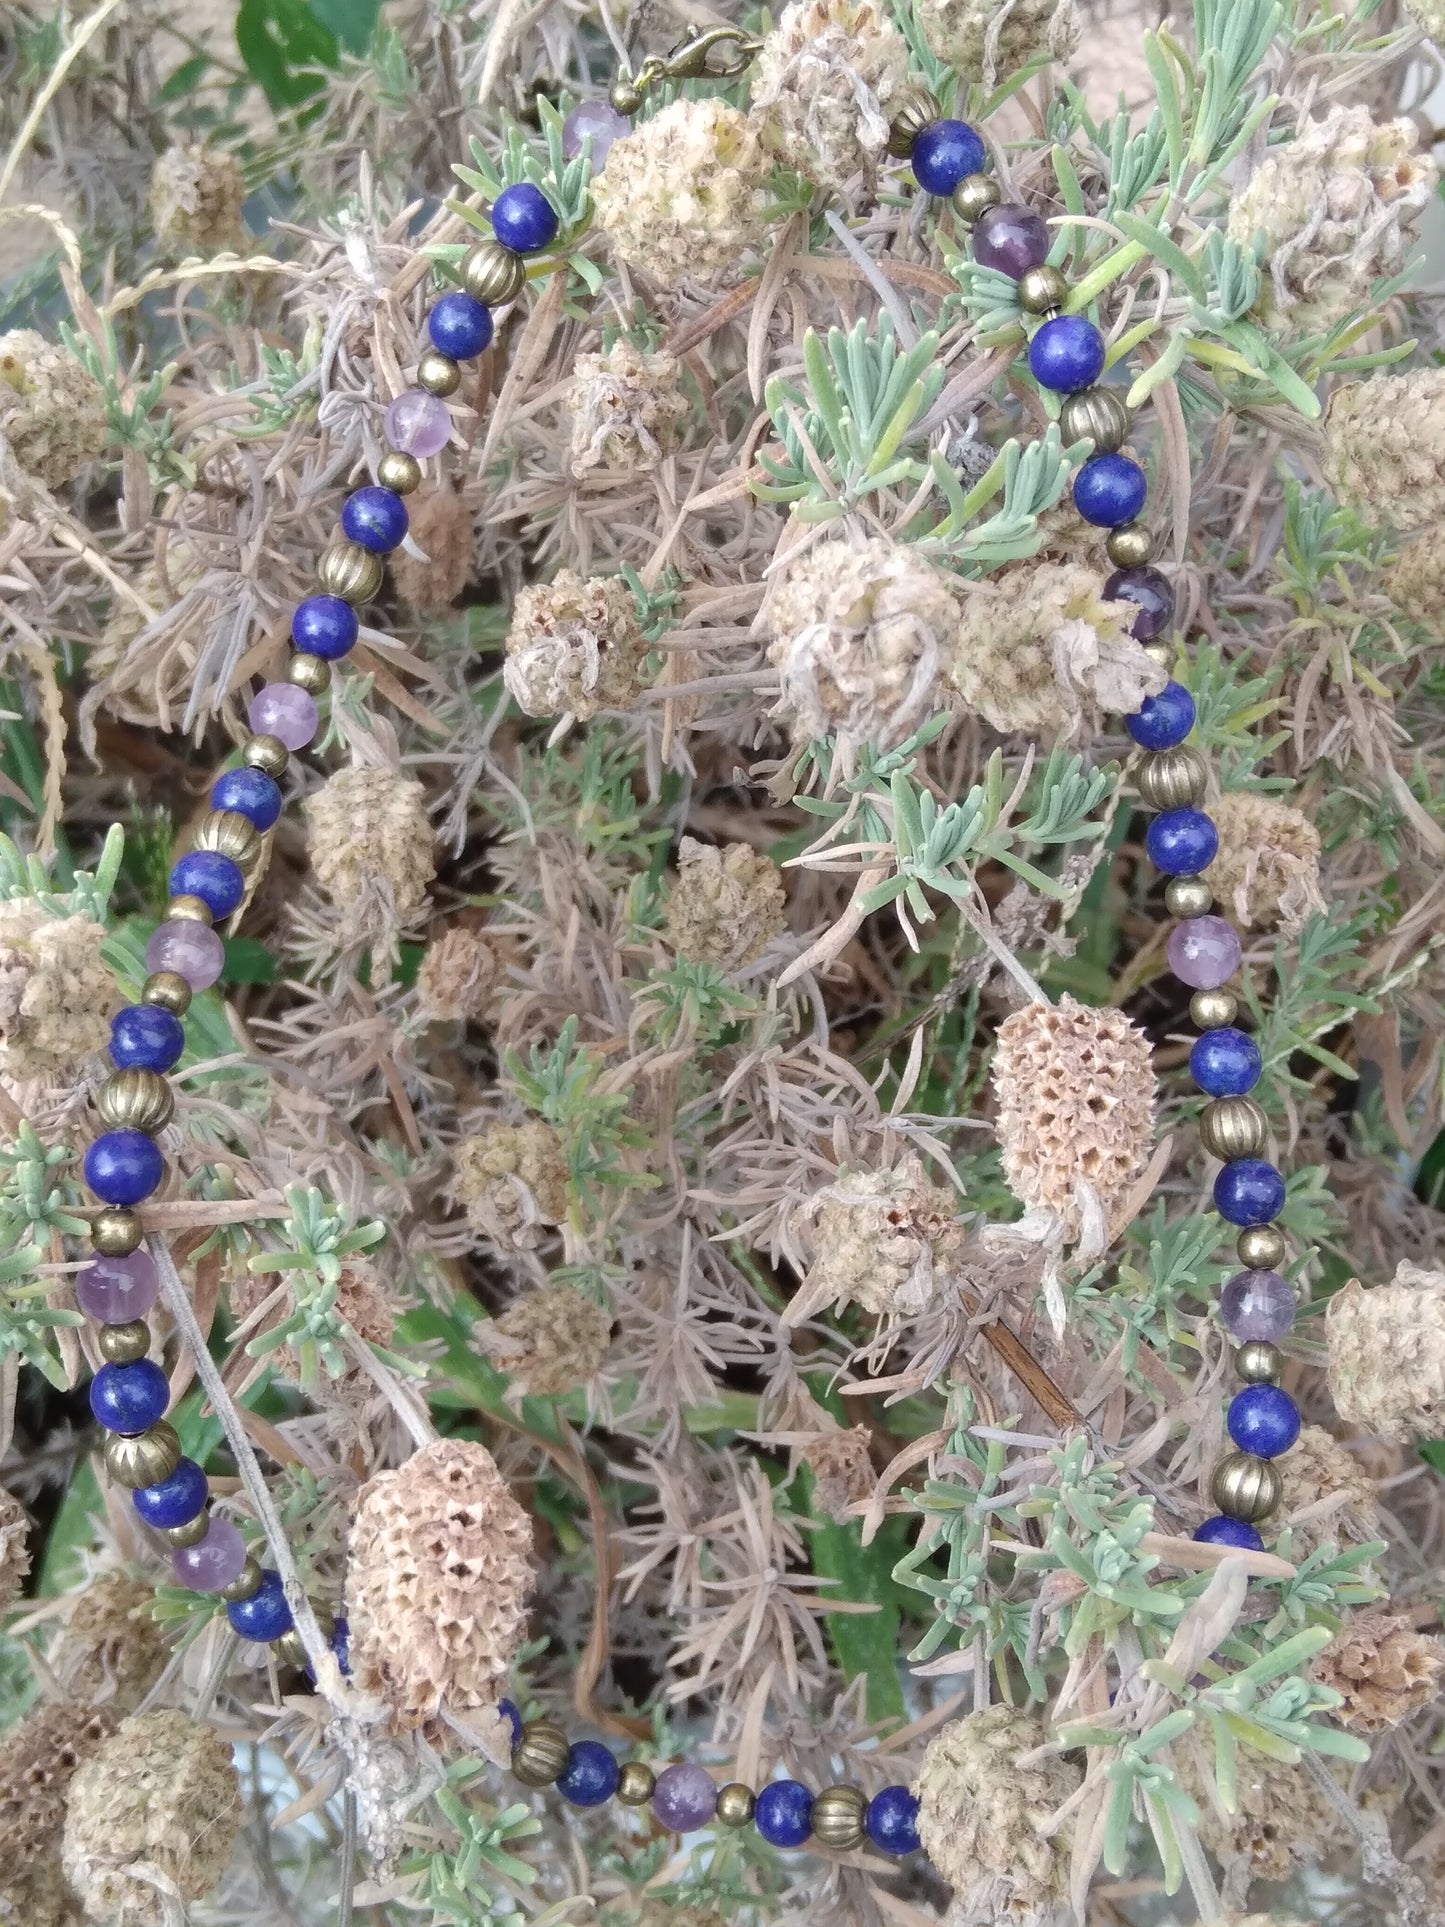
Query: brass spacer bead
(915,110)
(1188,897)
(1212,1008)
(974,196)
(135,1100)
(1171,779)
(1262,1247)
(1162,653)
(288,1650)
(635,1783)
(188,910)
(229,833)
(1233,1127)
(540,1754)
(1042,290)
(1098,415)
(311,673)
(191,1533)
(837,1817)
(143,1458)
(1130,547)
(267,754)
(124,1344)
(735,1804)
(169,990)
(116,1231)
(493,274)
(438,373)
(399,471)
(350,571)
(1259,1362)
(1244,1487)
(246,1583)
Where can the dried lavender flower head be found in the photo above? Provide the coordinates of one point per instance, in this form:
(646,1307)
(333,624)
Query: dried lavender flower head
(1384,1669)
(14,1547)
(52,411)
(57,994)
(726,906)
(372,850)
(574,647)
(1283,1819)
(457,975)
(512,1181)
(627,407)
(550,1340)
(110,1649)
(1387,1354)
(1385,448)
(39,1757)
(442,528)
(824,88)
(437,1583)
(1323,1478)
(1267,871)
(887,1239)
(195,197)
(987,38)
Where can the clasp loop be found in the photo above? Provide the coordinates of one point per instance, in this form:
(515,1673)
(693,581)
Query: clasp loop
(688,61)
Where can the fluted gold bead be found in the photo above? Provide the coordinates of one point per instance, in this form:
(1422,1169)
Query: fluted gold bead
(837,1817)
(308,672)
(1172,779)
(116,1231)
(169,990)
(1099,415)
(399,471)
(1130,547)
(1262,1247)
(736,1804)
(438,373)
(136,1100)
(1188,897)
(635,1783)
(1042,290)
(143,1458)
(124,1344)
(1233,1127)
(188,910)
(1259,1362)
(245,1585)
(350,571)
(267,754)
(191,1533)
(1244,1487)
(1212,1008)
(230,834)
(493,274)
(540,1754)
(288,1649)
(974,196)
(914,110)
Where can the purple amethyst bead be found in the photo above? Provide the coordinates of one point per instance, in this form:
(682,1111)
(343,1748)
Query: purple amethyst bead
(418,424)
(113,1291)
(1204,952)
(1257,1304)
(1148,589)
(192,950)
(214,1561)
(1012,239)
(685,1797)
(603,122)
(285,711)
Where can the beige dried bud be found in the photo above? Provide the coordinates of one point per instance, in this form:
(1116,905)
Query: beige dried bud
(574,647)
(1319,1469)
(360,1300)
(842,1467)
(371,844)
(1075,1088)
(57,995)
(1415,580)
(682,196)
(1336,209)
(512,1180)
(824,87)
(888,1240)
(1047,653)
(14,1547)
(726,905)
(1384,1669)
(111,1649)
(52,411)
(39,1758)
(1385,448)
(457,975)
(1267,871)
(626,407)
(162,1797)
(438,1582)
(986,38)
(551,1340)
(980,1811)
(1282,1820)
(860,630)
(1387,1354)
(443,527)
(196,197)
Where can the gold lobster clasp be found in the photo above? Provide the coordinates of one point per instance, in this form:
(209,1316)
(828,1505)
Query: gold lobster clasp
(688,61)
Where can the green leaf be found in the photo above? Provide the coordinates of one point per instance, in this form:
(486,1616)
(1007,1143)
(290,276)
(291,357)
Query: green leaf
(352,21)
(1163,248)
(184,78)
(285,49)
(248,961)
(866,1643)
(72,1533)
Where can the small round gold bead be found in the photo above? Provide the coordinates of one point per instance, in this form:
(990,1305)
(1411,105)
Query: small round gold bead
(438,373)
(1130,547)
(625,96)
(1171,779)
(124,1344)
(191,1533)
(229,833)
(1233,1127)
(136,1100)
(308,672)
(1262,1247)
(1042,290)
(1244,1487)
(493,274)
(116,1231)
(540,1754)
(1212,1008)
(288,1650)
(169,990)
(350,571)
(143,1458)
(915,109)
(974,196)
(837,1817)
(267,754)
(1188,897)
(1259,1362)
(736,1804)
(188,910)
(246,1583)
(399,471)
(1162,653)
(635,1783)
(1098,415)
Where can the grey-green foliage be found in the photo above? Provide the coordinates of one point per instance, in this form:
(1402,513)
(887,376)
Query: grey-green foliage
(89,894)
(35,1213)
(321,1236)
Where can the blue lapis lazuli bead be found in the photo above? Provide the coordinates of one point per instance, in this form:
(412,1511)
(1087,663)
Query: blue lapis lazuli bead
(265,1615)
(122,1167)
(146,1037)
(1220,1531)
(325,625)
(250,793)
(1066,353)
(341,1643)
(946,152)
(590,1775)
(459,325)
(214,878)
(174,1501)
(784,1813)
(1110,490)
(1264,1420)
(1181,843)
(891,1820)
(1225,1062)
(1162,721)
(512,1714)
(523,219)
(374,517)
(1249,1191)
(129,1398)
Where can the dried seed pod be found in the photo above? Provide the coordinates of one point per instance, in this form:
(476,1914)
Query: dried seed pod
(978,1811)
(1387,1354)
